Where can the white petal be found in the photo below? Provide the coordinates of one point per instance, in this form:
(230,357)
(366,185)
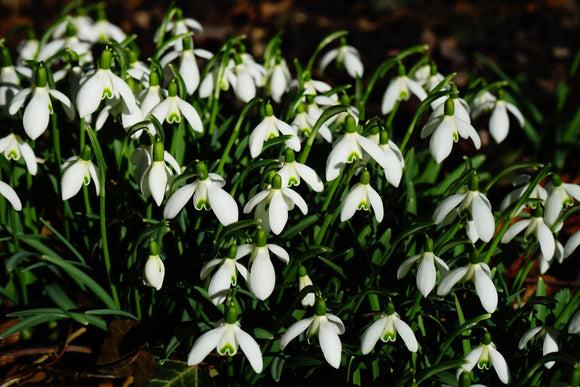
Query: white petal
(94,176)
(280,252)
(553,206)
(36,115)
(445,207)
(574,324)
(255,200)
(257,138)
(441,142)
(296,199)
(546,239)
(406,266)
(353,65)
(330,344)
(245,87)
(18,100)
(223,205)
(516,112)
(472,358)
(72,180)
(514,230)
(250,348)
(310,177)
(550,346)
(204,345)
(336,323)
(221,281)
(500,365)
(327,58)
(527,336)
(451,279)
(262,276)
(294,330)
(376,203)
(351,202)
(161,111)
(426,275)
(406,334)
(191,115)
(394,170)
(10,195)
(371,335)
(572,244)
(154,271)
(29,158)
(66,103)
(499,122)
(157,181)
(486,290)
(390,96)
(208,267)
(90,95)
(483,218)
(337,158)
(124,91)
(278,212)
(373,150)
(178,200)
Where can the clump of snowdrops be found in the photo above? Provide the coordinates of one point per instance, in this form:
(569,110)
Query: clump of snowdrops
(259,222)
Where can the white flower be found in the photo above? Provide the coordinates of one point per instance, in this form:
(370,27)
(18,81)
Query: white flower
(245,76)
(180,26)
(548,334)
(10,195)
(350,147)
(304,281)
(13,147)
(142,158)
(546,262)
(400,89)
(157,178)
(78,170)
(226,339)
(560,196)
(324,326)
(173,108)
(479,273)
(386,329)
(225,276)
(445,130)
(154,271)
(474,206)
(538,192)
(103,30)
(428,77)
(346,56)
(305,120)
(39,107)
(396,163)
(188,68)
(426,273)
(152,95)
(499,123)
(362,197)
(279,79)
(292,171)
(103,84)
(262,274)
(207,193)
(9,80)
(71,41)
(485,356)
(270,127)
(535,228)
(571,245)
(272,205)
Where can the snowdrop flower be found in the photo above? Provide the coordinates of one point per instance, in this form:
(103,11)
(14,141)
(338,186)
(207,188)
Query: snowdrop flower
(560,196)
(262,274)
(460,106)
(154,271)
(386,329)
(499,123)
(70,41)
(10,195)
(546,262)
(103,30)
(362,197)
(445,130)
(346,56)
(292,171)
(426,273)
(39,108)
(428,76)
(13,147)
(571,245)
(485,356)
(323,326)
(307,113)
(315,88)
(400,89)
(225,276)
(278,78)
(396,163)
(180,26)
(271,127)
(538,192)
(28,48)
(350,147)
(78,170)
(158,176)
(536,229)
(546,333)
(207,193)
(245,76)
(103,84)
(304,281)
(479,273)
(153,95)
(226,339)
(188,68)
(137,69)
(474,206)
(173,108)
(9,80)
(272,205)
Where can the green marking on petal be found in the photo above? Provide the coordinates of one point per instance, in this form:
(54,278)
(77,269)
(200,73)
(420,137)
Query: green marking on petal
(227,349)
(455,137)
(389,336)
(12,155)
(293,181)
(352,157)
(568,202)
(201,204)
(107,93)
(483,364)
(403,95)
(174,117)
(363,206)
(86,179)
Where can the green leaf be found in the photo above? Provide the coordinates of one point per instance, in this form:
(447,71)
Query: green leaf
(260,333)
(33,321)
(175,373)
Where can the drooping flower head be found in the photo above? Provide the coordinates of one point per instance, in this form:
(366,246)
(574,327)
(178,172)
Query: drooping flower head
(79,170)
(362,197)
(271,127)
(386,329)
(560,196)
(154,271)
(14,147)
(292,172)
(158,176)
(347,57)
(304,281)
(226,339)
(486,356)
(536,230)
(173,108)
(225,276)
(400,89)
